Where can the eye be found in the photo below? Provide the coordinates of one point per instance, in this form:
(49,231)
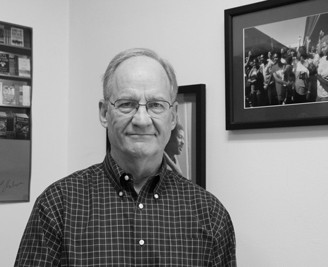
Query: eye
(156,106)
(126,106)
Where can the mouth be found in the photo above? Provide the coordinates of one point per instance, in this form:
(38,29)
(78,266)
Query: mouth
(140,135)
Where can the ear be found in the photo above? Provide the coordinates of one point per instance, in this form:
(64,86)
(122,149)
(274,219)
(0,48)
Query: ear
(174,115)
(103,108)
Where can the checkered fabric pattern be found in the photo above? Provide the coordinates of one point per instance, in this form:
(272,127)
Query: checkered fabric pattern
(95,218)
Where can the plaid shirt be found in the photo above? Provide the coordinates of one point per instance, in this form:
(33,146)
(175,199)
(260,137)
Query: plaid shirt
(95,218)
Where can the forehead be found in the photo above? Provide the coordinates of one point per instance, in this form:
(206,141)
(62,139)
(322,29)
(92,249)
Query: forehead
(181,133)
(141,74)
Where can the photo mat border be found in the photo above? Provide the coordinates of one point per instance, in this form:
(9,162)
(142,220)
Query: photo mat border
(238,18)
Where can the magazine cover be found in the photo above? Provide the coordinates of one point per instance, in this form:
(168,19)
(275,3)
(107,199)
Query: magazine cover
(17,36)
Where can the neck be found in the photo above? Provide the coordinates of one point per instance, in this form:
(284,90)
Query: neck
(171,156)
(141,168)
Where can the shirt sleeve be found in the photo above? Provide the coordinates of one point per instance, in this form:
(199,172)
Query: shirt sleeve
(224,250)
(41,241)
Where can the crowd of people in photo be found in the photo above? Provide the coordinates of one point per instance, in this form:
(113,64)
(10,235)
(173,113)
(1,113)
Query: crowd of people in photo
(287,75)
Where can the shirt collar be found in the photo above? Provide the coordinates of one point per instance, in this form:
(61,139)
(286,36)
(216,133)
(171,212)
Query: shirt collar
(116,175)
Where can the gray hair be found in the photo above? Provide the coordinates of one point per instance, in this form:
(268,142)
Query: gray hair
(135,52)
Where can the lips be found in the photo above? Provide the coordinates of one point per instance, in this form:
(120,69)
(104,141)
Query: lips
(140,134)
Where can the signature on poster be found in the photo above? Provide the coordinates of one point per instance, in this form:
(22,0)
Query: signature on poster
(8,184)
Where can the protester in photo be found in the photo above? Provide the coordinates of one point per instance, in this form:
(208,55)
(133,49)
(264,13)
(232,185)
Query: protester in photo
(255,79)
(312,82)
(270,54)
(247,67)
(302,76)
(322,79)
(279,92)
(265,69)
(289,81)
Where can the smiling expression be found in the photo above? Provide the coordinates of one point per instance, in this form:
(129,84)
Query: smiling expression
(140,135)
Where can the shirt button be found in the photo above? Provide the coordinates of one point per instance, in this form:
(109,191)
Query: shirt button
(141,242)
(141,206)
(156,196)
(120,194)
(126,178)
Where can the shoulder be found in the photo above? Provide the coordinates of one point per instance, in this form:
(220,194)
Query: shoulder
(205,207)
(196,196)
(73,184)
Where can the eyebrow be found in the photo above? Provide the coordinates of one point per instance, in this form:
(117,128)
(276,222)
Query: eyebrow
(152,98)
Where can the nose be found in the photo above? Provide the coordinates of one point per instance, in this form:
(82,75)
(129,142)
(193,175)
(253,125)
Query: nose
(141,117)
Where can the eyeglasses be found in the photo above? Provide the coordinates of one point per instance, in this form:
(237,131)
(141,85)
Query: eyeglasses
(153,107)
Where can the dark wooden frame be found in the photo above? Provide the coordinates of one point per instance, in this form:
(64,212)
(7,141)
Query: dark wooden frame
(237,117)
(198,91)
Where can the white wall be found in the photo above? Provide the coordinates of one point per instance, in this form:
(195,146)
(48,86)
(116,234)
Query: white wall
(273,181)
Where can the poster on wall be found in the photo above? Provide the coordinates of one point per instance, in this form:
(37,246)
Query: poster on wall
(185,151)
(15,112)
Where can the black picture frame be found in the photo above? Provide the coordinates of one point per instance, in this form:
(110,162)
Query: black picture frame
(192,104)
(238,114)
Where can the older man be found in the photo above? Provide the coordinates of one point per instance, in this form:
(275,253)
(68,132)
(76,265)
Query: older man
(130,210)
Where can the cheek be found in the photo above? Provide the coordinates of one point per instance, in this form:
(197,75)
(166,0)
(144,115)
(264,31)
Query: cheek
(163,128)
(115,123)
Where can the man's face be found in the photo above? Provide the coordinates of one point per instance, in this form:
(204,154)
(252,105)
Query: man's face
(262,59)
(176,143)
(275,58)
(140,135)
(180,140)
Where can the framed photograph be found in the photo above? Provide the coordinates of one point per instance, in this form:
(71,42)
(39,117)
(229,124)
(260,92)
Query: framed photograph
(276,55)
(186,150)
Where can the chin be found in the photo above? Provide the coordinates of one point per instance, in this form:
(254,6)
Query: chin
(144,150)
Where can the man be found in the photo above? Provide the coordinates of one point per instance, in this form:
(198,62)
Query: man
(277,91)
(130,210)
(174,147)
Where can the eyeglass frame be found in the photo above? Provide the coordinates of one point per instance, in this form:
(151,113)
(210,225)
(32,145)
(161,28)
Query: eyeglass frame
(138,105)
